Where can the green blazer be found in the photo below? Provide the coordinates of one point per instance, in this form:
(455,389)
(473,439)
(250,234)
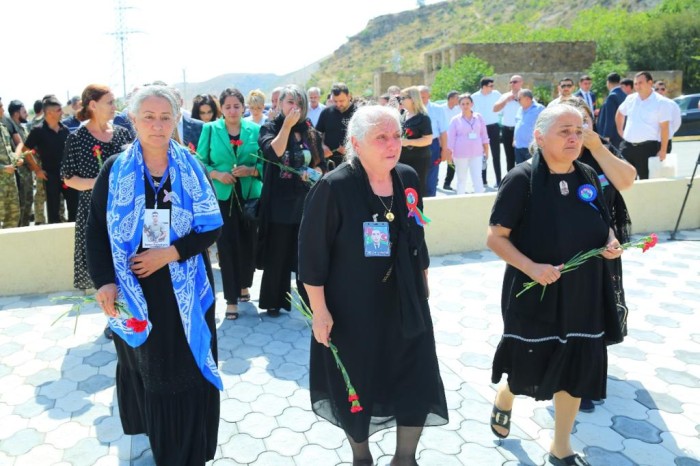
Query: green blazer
(215,151)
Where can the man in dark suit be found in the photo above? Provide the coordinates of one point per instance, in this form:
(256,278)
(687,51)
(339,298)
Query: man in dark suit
(191,130)
(584,92)
(606,117)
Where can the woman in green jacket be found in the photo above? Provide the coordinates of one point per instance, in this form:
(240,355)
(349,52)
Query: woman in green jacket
(228,147)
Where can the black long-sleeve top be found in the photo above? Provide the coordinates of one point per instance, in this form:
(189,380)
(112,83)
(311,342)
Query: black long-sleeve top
(99,250)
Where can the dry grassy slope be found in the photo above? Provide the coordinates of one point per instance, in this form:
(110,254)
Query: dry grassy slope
(411,33)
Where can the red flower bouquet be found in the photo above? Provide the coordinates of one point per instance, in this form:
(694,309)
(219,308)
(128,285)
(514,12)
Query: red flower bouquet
(133,323)
(645,243)
(299,304)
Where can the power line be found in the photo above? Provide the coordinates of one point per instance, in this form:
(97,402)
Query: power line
(121,35)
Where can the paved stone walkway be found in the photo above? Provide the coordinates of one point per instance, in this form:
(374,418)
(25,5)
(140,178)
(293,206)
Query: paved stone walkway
(58,406)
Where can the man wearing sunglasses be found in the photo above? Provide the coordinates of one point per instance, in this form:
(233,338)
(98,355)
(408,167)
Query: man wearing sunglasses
(566,87)
(675,121)
(333,123)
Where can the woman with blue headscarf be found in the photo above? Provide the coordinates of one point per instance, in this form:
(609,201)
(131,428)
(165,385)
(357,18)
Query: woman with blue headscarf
(152,216)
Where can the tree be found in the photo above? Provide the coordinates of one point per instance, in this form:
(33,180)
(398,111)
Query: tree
(599,71)
(671,42)
(463,76)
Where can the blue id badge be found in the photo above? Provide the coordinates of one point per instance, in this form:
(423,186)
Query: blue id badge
(376,239)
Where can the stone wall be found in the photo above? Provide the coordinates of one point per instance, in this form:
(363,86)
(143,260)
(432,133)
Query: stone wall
(533,57)
(384,79)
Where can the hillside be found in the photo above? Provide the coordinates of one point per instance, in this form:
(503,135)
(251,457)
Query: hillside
(396,42)
(246,82)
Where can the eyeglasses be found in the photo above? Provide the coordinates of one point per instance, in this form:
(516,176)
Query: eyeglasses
(402,98)
(660,89)
(339,90)
(515,82)
(566,85)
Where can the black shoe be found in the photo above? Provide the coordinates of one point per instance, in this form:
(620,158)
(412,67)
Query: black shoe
(109,334)
(573,460)
(273,312)
(587,406)
(447,187)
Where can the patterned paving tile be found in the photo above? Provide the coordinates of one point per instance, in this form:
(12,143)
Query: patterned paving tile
(59,386)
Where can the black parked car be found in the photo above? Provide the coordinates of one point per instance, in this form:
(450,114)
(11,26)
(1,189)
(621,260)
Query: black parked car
(690,113)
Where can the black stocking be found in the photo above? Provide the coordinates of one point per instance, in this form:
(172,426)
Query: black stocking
(406,445)
(361,455)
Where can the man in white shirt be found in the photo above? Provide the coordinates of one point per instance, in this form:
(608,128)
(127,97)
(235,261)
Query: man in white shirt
(508,107)
(438,148)
(675,122)
(315,106)
(484,100)
(452,109)
(646,132)
(566,88)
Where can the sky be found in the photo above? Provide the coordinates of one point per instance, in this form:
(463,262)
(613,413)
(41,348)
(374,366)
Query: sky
(60,47)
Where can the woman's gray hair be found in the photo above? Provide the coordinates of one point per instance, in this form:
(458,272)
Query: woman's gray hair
(366,118)
(299,96)
(547,118)
(164,92)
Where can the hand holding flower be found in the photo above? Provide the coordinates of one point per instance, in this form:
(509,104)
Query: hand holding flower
(322,323)
(105,297)
(613,250)
(544,274)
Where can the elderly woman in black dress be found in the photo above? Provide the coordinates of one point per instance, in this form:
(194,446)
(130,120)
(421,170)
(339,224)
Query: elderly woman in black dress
(364,263)
(554,344)
(287,140)
(85,151)
(167,378)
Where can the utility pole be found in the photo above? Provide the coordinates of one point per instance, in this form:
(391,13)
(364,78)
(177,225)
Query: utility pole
(184,85)
(121,34)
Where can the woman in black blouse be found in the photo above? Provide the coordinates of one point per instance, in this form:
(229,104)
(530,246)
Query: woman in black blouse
(166,377)
(288,140)
(85,151)
(364,263)
(417,135)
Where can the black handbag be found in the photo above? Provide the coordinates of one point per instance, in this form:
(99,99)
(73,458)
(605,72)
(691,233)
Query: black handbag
(251,209)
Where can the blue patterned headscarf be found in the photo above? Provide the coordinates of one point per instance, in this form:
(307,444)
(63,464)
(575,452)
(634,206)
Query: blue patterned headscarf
(193,208)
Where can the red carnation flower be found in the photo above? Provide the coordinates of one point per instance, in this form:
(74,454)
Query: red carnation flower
(353,397)
(136,325)
(236,142)
(409,132)
(356,409)
(651,243)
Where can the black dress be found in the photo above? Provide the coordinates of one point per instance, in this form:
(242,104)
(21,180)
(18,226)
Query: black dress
(396,377)
(621,225)
(79,160)
(556,341)
(160,389)
(281,207)
(417,158)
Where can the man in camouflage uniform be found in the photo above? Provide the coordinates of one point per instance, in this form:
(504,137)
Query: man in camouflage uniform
(15,125)
(9,199)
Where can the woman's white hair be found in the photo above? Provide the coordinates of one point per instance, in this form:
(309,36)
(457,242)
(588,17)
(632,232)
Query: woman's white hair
(164,92)
(547,118)
(366,118)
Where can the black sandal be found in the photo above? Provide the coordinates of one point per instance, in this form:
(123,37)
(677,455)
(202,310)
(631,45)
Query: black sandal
(500,418)
(232,315)
(244,298)
(573,460)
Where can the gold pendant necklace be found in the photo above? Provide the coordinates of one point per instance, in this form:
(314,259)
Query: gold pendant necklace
(387,210)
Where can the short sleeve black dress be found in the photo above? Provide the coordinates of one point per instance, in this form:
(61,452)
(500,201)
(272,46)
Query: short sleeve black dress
(389,355)
(79,160)
(418,158)
(556,341)
(160,389)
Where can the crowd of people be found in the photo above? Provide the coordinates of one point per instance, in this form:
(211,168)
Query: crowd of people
(288,189)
